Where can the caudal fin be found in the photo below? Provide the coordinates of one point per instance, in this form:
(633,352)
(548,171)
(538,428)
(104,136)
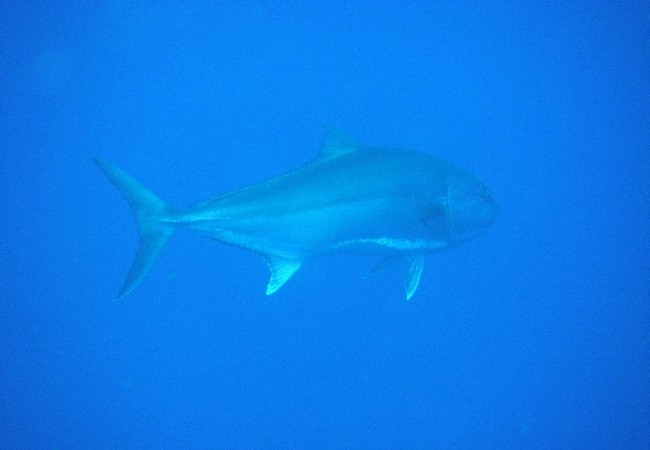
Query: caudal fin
(151,215)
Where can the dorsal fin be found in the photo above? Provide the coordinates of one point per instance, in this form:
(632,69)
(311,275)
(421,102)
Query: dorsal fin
(336,143)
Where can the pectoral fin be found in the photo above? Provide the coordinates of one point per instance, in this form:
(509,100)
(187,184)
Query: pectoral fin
(414,265)
(281,270)
(384,263)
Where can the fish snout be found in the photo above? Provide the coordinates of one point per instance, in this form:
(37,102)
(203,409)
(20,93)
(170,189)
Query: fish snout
(472,210)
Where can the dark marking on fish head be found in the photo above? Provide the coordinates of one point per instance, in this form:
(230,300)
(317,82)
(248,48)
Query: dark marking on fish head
(435,219)
(472,209)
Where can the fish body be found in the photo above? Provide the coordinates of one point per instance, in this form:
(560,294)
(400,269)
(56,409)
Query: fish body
(394,203)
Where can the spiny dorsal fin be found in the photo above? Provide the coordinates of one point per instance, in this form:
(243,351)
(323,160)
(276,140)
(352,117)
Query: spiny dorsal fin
(336,143)
(281,270)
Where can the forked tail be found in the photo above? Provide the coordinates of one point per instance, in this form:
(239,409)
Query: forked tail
(152,216)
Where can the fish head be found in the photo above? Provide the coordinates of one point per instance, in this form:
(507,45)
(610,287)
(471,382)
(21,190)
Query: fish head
(471,208)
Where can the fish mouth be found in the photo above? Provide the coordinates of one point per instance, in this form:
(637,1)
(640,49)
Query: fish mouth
(450,221)
(494,209)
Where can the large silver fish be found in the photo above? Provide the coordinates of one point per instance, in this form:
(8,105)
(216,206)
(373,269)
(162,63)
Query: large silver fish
(394,203)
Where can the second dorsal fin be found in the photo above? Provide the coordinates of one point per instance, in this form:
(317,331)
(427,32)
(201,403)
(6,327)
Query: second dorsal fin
(336,143)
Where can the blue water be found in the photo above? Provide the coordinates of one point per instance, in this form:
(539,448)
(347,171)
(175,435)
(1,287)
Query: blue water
(535,335)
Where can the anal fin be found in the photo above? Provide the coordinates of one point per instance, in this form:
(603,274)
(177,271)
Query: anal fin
(281,270)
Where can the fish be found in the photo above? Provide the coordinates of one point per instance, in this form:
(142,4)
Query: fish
(398,204)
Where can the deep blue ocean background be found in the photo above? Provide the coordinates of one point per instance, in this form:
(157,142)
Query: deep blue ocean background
(535,335)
